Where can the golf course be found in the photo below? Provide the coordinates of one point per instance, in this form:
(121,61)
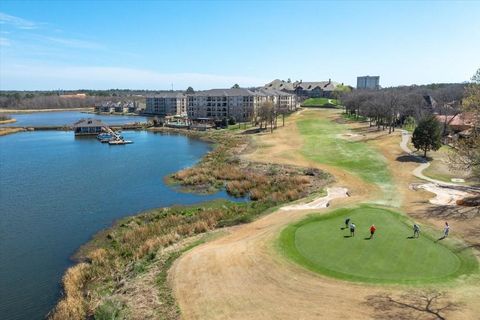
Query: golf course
(323,244)
(301,262)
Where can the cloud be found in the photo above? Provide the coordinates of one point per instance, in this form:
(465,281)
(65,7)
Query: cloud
(37,77)
(75,43)
(17,21)
(4,42)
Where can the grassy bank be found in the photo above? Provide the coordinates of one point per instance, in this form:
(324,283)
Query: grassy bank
(122,272)
(322,244)
(126,252)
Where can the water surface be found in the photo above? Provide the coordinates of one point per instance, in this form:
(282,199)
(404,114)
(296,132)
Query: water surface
(56,191)
(66,118)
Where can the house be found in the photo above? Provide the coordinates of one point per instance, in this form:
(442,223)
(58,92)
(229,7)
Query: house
(457,123)
(121,107)
(166,104)
(281,85)
(88,127)
(304,90)
(318,89)
(105,107)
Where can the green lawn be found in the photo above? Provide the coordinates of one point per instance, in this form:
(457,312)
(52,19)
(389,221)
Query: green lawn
(320,102)
(324,144)
(319,244)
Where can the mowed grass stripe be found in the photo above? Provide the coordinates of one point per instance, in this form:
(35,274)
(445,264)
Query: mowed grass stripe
(319,244)
(323,145)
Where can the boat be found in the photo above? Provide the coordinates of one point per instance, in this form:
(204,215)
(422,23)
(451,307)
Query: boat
(119,142)
(104,136)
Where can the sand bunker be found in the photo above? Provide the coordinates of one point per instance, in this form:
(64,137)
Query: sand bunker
(445,195)
(322,202)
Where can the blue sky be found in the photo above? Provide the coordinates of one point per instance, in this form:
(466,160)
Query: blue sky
(154,44)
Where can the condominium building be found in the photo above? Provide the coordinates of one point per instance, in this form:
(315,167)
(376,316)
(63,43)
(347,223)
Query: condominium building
(166,104)
(239,104)
(280,99)
(368,82)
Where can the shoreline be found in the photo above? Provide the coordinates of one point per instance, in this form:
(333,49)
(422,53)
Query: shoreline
(8,121)
(5,131)
(159,249)
(2,110)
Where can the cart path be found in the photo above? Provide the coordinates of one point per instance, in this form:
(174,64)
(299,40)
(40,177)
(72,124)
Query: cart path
(447,193)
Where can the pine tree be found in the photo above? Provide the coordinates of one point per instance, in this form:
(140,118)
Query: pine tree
(427,135)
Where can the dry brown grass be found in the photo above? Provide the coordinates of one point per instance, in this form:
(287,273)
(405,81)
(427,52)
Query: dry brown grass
(73,305)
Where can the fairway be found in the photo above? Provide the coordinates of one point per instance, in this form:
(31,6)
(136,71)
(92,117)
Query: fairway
(323,145)
(319,244)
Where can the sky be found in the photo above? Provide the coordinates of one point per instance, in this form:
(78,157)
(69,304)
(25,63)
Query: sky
(158,45)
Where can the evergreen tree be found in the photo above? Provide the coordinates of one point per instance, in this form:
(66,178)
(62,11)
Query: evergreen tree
(427,135)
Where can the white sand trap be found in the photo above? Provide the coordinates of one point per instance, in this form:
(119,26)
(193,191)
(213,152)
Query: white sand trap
(322,202)
(457,180)
(445,195)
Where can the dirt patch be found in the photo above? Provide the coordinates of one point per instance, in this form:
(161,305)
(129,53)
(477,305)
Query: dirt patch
(321,202)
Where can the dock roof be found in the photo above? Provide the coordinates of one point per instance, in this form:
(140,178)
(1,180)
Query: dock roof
(90,122)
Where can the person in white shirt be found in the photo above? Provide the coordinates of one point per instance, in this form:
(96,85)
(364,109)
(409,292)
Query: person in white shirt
(352,229)
(446,230)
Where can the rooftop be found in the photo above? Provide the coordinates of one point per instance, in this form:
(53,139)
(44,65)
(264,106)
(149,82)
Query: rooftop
(89,123)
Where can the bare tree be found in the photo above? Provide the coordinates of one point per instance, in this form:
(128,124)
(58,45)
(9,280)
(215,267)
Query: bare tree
(425,304)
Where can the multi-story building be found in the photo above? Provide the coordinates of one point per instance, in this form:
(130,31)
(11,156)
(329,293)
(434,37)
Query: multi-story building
(167,104)
(304,90)
(280,99)
(239,104)
(368,82)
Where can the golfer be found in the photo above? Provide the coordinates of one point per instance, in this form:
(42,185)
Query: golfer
(446,230)
(416,230)
(352,229)
(372,231)
(347,222)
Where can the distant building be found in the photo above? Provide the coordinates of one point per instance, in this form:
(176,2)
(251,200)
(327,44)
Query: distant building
(281,85)
(88,127)
(167,104)
(118,107)
(304,90)
(317,89)
(368,82)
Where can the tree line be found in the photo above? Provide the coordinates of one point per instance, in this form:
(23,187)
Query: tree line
(391,108)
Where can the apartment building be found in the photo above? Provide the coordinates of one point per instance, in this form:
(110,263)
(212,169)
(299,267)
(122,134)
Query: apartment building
(166,104)
(239,104)
(368,82)
(280,99)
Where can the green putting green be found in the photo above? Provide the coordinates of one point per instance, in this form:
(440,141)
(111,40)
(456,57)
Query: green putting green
(320,244)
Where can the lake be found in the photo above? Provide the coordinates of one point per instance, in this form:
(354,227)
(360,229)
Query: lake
(56,191)
(66,118)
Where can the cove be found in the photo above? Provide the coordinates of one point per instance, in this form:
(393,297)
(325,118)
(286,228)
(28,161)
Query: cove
(57,191)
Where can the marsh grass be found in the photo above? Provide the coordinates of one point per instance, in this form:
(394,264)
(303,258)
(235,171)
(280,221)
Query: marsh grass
(259,182)
(129,248)
(134,245)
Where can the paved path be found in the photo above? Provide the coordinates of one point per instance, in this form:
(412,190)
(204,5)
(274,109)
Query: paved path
(447,193)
